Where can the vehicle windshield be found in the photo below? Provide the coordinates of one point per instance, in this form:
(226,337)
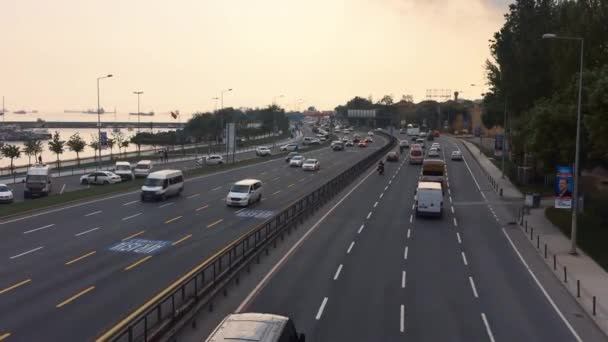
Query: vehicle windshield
(4,188)
(240,188)
(416,153)
(35,178)
(310,161)
(143,166)
(153,182)
(297,158)
(432,172)
(123,168)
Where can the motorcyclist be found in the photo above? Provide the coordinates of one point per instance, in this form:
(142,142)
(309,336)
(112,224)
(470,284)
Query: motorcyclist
(381,167)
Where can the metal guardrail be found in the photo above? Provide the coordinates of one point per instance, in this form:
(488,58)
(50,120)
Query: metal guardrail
(185,296)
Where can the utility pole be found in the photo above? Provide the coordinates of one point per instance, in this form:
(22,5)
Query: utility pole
(504,139)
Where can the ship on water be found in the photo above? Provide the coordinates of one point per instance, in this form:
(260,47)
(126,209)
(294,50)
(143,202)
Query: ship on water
(89,111)
(143,114)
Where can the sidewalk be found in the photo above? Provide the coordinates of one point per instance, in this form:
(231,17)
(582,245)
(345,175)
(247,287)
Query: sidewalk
(554,246)
(493,173)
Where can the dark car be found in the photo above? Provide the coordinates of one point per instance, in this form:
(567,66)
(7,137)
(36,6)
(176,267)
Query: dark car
(392,156)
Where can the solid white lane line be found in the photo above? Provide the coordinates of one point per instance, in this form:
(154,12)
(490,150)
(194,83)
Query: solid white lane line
(382,194)
(402,320)
(452,209)
(408,233)
(561,315)
(338,272)
(483,195)
(455,223)
(321,308)
(458,236)
(361,229)
(166,205)
(130,217)
(352,244)
(87,231)
(472,282)
(28,252)
(37,229)
(129,203)
(488,330)
(405,252)
(94,213)
(375,204)
(192,196)
(464,259)
(369,215)
(403,275)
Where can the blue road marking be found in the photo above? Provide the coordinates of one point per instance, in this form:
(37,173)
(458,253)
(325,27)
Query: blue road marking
(140,246)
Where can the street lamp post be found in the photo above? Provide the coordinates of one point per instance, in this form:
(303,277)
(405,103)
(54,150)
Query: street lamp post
(138,93)
(99,116)
(222,118)
(274,122)
(573,250)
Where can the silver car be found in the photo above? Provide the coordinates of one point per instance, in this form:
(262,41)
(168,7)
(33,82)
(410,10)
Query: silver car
(296,161)
(100,177)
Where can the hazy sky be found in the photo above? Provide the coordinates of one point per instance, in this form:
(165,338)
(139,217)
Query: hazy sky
(181,53)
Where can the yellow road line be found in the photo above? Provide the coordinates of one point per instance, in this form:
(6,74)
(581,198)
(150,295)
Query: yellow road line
(137,263)
(15,286)
(4,336)
(214,223)
(203,207)
(290,185)
(134,235)
(173,219)
(182,239)
(74,297)
(80,258)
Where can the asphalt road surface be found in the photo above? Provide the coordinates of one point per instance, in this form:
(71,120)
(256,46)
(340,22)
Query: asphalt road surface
(372,271)
(68,274)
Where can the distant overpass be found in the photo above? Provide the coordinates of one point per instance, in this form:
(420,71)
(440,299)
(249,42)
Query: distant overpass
(89,124)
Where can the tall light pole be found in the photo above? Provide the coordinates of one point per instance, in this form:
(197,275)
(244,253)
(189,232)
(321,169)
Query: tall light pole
(138,93)
(221,114)
(480,135)
(99,115)
(578,136)
(274,121)
(215,99)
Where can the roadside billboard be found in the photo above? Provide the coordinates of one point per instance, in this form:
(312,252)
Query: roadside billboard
(563,187)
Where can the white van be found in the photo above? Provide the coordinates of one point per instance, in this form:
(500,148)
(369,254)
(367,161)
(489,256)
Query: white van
(162,184)
(123,169)
(142,168)
(256,327)
(429,199)
(38,181)
(244,192)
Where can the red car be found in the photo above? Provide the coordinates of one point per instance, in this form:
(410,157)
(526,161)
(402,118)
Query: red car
(362,144)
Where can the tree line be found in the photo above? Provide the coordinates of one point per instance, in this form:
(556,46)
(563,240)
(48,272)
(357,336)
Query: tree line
(537,80)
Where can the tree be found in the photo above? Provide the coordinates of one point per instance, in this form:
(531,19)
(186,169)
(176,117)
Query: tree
(386,100)
(56,145)
(119,138)
(76,144)
(125,145)
(110,142)
(12,152)
(30,149)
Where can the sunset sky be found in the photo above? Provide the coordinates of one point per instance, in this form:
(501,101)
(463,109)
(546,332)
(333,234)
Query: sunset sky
(182,53)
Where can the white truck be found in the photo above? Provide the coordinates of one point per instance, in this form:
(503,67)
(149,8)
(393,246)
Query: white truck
(38,181)
(413,130)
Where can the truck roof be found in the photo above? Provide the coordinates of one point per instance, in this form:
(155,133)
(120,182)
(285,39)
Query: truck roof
(429,186)
(38,169)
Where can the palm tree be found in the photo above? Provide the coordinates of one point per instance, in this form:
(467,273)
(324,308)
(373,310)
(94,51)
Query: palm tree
(76,144)
(110,143)
(38,148)
(56,145)
(125,145)
(30,150)
(12,152)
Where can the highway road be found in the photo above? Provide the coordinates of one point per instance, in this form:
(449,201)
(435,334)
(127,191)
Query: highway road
(72,272)
(372,271)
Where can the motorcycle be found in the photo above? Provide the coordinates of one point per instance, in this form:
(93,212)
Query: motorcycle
(380,170)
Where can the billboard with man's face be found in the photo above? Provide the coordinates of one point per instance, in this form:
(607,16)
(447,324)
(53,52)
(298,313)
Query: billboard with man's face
(563,187)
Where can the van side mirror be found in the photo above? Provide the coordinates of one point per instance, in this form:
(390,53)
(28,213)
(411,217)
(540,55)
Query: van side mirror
(49,181)
(302,338)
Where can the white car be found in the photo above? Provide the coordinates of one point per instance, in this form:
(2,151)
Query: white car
(289,147)
(262,151)
(404,143)
(456,155)
(370,133)
(296,161)
(437,146)
(311,165)
(433,153)
(6,194)
(214,159)
(100,177)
